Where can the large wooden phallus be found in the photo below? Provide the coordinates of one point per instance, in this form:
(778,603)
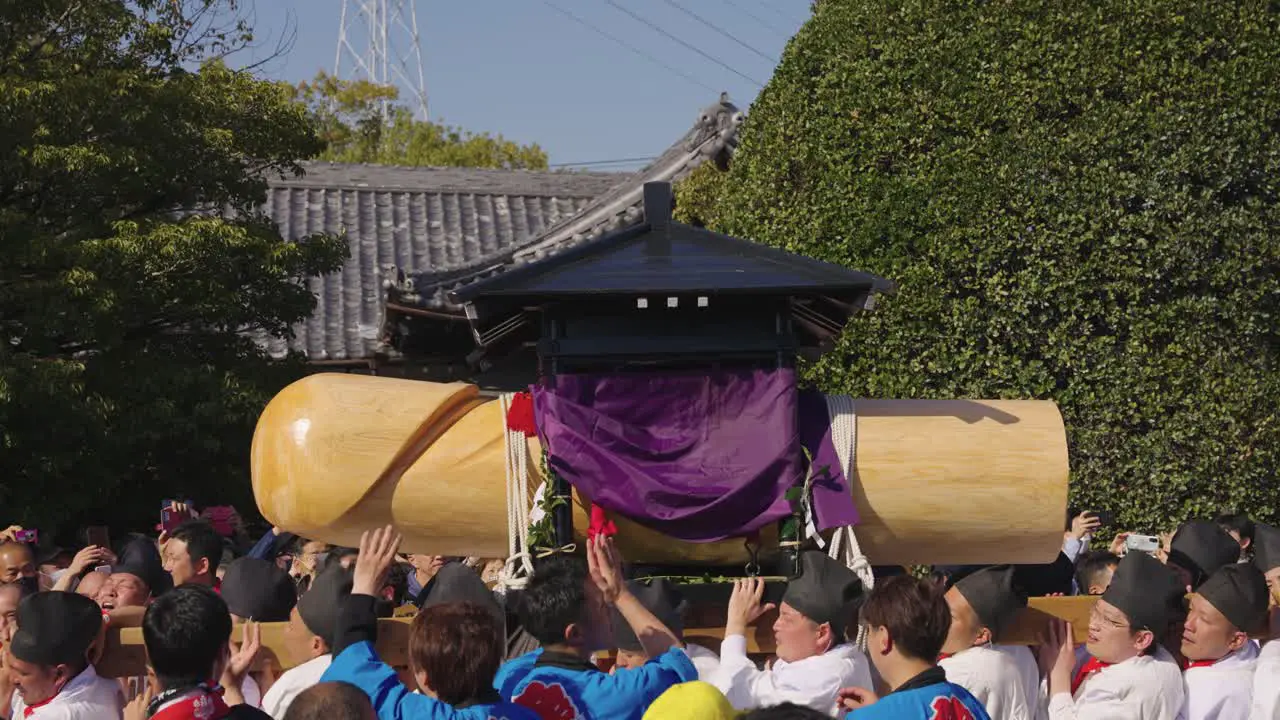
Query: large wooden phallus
(935,481)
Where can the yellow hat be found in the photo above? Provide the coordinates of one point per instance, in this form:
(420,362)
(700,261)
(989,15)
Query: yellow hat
(691,701)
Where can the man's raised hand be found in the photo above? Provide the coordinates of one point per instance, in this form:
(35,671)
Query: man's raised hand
(377,554)
(242,659)
(240,663)
(745,605)
(1057,655)
(605,565)
(1085,524)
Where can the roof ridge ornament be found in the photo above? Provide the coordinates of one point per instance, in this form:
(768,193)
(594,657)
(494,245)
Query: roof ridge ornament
(720,120)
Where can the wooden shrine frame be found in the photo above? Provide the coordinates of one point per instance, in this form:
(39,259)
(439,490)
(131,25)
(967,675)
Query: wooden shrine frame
(125,655)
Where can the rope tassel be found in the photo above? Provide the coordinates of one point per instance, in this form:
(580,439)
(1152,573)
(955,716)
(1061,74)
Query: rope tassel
(519,413)
(600,523)
(518,569)
(844,543)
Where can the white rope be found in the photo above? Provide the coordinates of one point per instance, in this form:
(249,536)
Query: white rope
(844,542)
(518,568)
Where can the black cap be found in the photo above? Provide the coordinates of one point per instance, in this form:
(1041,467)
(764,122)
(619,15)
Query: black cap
(825,592)
(322,603)
(457,582)
(258,590)
(1240,593)
(992,594)
(1146,591)
(56,628)
(141,557)
(1266,547)
(1202,547)
(662,599)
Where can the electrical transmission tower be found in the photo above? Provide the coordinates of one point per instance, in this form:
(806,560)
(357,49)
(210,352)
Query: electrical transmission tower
(378,41)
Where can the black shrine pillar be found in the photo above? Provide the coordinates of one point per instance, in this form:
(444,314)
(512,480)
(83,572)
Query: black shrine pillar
(663,294)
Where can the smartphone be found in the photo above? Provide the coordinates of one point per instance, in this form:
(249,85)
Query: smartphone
(98,535)
(27,536)
(1105,518)
(1142,543)
(170,520)
(104,569)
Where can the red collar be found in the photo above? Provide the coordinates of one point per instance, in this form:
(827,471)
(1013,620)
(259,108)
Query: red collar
(200,703)
(1091,666)
(1188,664)
(28,710)
(944,656)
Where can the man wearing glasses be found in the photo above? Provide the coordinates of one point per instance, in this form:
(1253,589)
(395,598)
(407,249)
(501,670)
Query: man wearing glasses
(1127,673)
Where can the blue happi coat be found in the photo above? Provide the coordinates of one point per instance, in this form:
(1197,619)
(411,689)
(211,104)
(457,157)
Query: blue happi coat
(360,666)
(928,696)
(557,686)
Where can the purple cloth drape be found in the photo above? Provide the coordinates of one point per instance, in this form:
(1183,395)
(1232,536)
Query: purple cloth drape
(697,456)
(700,457)
(832,501)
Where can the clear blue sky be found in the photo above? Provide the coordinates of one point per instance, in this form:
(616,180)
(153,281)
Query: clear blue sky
(524,70)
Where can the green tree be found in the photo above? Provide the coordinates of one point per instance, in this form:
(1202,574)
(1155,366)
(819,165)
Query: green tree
(126,375)
(1078,201)
(352,122)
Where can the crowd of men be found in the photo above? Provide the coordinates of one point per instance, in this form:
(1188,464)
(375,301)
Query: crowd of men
(1178,632)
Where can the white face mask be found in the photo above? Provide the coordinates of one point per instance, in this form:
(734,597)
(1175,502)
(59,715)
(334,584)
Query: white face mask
(56,575)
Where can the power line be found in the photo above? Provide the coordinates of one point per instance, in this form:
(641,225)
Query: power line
(619,161)
(772,7)
(629,46)
(757,18)
(694,48)
(725,33)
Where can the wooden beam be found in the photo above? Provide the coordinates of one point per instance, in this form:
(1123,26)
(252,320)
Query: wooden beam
(125,656)
(1025,630)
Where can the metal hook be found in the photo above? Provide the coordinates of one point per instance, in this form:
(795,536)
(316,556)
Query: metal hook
(752,567)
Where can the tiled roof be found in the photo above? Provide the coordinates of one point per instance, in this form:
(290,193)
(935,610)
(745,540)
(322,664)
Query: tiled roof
(713,137)
(409,220)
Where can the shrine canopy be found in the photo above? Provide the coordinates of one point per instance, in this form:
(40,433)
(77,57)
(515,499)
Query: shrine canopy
(667,388)
(665,289)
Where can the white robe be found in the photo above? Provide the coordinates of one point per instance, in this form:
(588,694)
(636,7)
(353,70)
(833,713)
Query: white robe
(812,682)
(1033,687)
(1266,683)
(993,678)
(287,687)
(1147,687)
(1223,690)
(704,660)
(86,697)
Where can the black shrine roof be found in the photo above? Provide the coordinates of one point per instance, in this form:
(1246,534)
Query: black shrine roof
(757,297)
(662,256)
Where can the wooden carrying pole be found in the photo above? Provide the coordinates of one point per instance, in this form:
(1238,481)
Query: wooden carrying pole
(934,480)
(125,657)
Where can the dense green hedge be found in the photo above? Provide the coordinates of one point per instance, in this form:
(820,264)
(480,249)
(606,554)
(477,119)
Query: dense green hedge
(1078,201)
